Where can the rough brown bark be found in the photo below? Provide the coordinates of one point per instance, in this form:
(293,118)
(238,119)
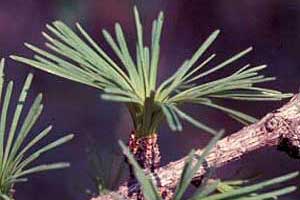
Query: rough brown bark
(147,154)
(280,128)
(145,150)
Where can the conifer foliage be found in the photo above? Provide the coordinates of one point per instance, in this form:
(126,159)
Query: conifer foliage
(132,80)
(76,56)
(17,152)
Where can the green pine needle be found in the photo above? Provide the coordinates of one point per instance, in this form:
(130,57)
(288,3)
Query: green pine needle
(15,162)
(77,57)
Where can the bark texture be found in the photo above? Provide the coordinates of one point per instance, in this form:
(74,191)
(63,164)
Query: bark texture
(280,128)
(147,154)
(145,151)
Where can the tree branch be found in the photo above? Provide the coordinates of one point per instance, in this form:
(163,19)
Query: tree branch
(280,128)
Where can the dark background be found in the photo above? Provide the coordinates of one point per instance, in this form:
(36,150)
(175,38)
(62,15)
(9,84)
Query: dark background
(271,26)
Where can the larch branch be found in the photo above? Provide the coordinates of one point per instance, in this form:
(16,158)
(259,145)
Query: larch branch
(280,128)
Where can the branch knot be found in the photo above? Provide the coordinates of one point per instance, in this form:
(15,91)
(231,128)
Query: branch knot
(273,123)
(289,139)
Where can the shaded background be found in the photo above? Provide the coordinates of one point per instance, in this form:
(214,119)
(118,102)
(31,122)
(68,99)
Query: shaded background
(271,26)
